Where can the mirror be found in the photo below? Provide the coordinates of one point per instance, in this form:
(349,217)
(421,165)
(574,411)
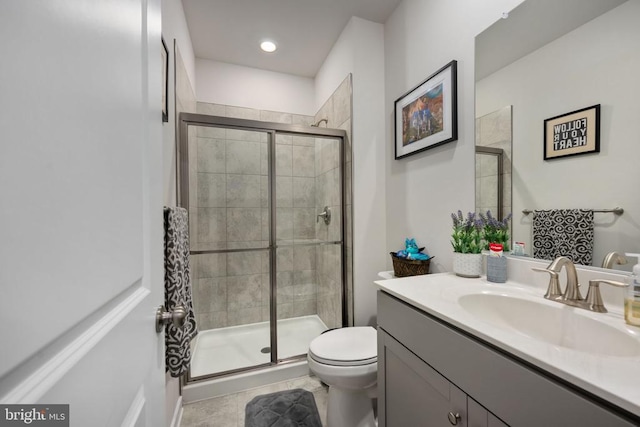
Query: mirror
(549,58)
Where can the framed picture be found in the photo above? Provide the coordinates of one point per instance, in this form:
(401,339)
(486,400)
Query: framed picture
(165,81)
(427,116)
(572,133)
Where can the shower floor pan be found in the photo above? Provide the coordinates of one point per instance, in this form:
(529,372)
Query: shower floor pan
(236,347)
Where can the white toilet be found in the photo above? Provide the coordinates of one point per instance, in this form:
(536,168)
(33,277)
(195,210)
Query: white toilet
(347,361)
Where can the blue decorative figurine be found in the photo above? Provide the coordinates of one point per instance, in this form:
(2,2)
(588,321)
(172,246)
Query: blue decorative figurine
(412,251)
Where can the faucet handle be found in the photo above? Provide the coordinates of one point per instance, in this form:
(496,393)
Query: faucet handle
(325,215)
(593,300)
(553,291)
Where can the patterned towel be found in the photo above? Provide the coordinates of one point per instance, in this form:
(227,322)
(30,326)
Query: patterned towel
(563,232)
(177,290)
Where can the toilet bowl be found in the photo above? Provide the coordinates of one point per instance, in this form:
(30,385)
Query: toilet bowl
(347,361)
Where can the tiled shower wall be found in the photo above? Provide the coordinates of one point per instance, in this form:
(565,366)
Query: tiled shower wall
(228,207)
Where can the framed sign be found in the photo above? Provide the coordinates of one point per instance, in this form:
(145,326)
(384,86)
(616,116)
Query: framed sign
(427,115)
(572,133)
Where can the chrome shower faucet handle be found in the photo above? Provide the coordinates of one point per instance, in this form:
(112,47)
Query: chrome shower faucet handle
(325,215)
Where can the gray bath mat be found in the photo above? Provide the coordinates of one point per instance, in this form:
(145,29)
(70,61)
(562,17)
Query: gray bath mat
(289,408)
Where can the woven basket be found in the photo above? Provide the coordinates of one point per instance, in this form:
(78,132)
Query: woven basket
(403,267)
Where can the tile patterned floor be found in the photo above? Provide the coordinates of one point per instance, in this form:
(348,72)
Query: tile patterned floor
(228,410)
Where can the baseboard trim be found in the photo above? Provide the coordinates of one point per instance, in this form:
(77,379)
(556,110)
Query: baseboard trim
(202,390)
(177,413)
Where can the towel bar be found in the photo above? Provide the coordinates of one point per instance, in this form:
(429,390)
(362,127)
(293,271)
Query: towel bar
(616,210)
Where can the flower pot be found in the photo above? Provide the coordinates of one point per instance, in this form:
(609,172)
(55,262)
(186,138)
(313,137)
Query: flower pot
(467,265)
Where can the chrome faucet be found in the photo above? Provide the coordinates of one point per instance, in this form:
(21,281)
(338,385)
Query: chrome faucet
(571,295)
(572,290)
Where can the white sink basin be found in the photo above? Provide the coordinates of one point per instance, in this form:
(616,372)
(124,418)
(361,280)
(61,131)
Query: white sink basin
(551,322)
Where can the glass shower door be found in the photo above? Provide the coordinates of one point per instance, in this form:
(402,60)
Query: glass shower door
(265,205)
(228,200)
(308,240)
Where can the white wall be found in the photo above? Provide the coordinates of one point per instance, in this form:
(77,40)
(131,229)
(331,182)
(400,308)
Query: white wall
(229,84)
(597,63)
(423,190)
(174,26)
(359,50)
(336,66)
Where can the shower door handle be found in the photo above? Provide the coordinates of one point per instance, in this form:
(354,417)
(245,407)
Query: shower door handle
(164,317)
(325,214)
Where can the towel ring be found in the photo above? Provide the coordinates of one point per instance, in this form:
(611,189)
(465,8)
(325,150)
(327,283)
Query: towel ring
(177,317)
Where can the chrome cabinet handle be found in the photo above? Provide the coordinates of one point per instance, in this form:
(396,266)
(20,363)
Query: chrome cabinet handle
(164,317)
(453,418)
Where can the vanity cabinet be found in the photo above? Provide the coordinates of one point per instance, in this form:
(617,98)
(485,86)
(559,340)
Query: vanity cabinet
(429,372)
(417,395)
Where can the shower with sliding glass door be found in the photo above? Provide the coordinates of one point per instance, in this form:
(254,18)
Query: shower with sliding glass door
(266,205)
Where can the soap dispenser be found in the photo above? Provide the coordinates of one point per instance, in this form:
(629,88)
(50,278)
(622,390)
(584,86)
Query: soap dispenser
(632,299)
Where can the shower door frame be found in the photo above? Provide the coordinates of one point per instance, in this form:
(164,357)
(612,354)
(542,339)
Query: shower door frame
(498,153)
(182,194)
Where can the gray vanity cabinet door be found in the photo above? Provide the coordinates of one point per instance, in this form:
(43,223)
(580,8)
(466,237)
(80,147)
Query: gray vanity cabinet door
(478,416)
(493,421)
(412,393)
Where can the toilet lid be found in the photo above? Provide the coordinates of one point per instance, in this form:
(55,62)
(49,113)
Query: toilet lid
(350,346)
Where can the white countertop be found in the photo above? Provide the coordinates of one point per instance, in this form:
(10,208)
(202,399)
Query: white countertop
(613,378)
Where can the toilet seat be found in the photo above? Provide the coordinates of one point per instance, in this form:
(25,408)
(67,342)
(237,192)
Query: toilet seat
(351,346)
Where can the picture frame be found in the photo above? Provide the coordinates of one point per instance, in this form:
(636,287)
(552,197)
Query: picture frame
(572,134)
(427,115)
(165,81)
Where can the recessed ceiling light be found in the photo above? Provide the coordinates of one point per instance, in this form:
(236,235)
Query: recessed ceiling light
(268,46)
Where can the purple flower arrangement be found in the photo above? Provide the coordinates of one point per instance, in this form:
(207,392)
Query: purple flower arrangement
(496,231)
(467,233)
(473,233)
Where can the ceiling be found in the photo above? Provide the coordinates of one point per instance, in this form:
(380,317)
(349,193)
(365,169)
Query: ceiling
(304,30)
